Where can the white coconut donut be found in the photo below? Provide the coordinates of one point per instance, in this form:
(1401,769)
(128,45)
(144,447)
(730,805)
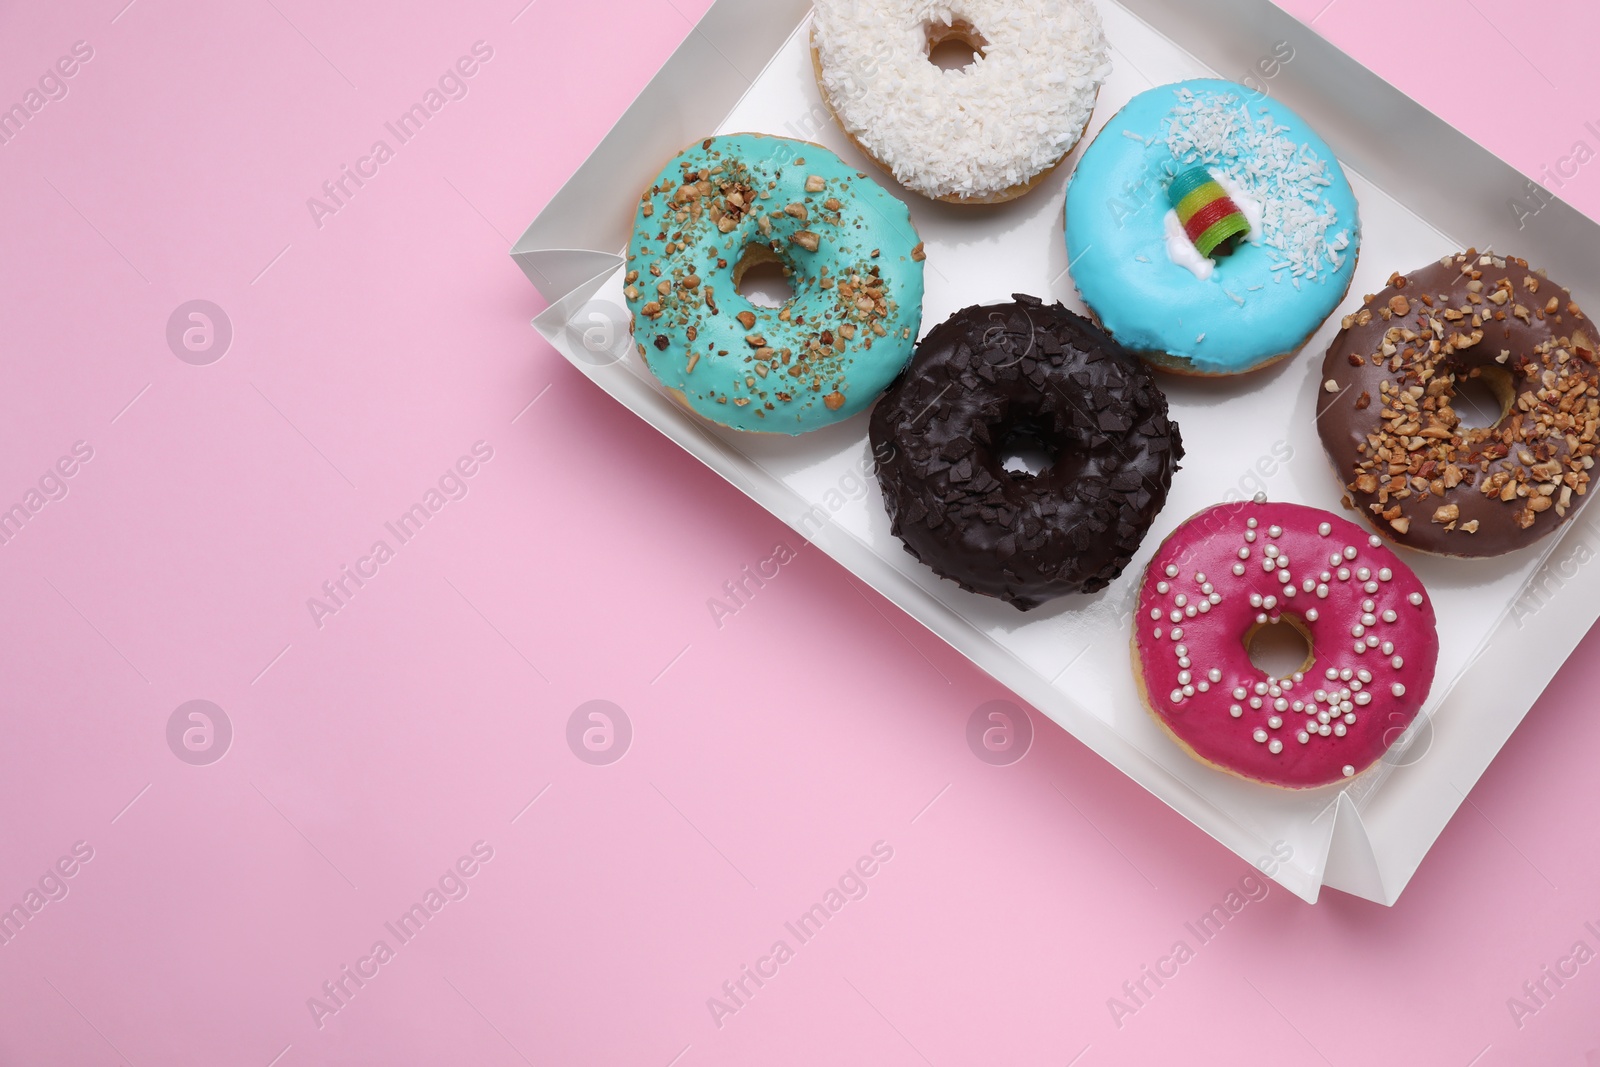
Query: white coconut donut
(982,135)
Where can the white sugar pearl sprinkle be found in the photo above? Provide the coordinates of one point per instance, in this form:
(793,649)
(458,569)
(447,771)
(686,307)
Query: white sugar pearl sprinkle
(1163,588)
(1390,615)
(1384,574)
(1255,600)
(1275,722)
(1214,674)
(1244,553)
(1177,633)
(1397,663)
(1349,771)
(1375,541)
(1252,523)
(1344,574)
(1238,570)
(1361,700)
(1236,711)
(1398,689)
(1415,599)
(1260,735)
(1275,746)
(1303,737)
(1363,573)
(1155,613)
(1325,529)
(1172,571)
(1177,696)
(1349,551)
(1311,615)
(1371,587)
(1275,531)
(1181,600)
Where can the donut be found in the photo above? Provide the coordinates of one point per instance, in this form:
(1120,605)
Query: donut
(1210,152)
(991,378)
(848,249)
(1390,413)
(1236,568)
(983,135)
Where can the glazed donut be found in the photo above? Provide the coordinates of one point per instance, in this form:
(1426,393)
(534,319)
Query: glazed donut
(1236,568)
(1137,266)
(1389,410)
(847,247)
(988,379)
(983,135)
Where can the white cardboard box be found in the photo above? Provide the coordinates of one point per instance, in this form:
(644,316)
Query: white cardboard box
(1425,190)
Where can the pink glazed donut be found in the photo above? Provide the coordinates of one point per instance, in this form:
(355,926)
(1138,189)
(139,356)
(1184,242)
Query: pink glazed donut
(1236,568)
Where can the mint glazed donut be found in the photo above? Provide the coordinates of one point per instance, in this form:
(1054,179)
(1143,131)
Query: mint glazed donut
(1210,229)
(848,249)
(1235,569)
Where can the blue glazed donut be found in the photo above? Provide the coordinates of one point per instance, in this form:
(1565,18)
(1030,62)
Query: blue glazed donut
(1136,268)
(849,251)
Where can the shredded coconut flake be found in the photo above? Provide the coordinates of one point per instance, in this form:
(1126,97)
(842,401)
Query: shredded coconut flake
(975,133)
(1216,130)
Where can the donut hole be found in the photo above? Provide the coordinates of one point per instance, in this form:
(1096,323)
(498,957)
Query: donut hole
(1025,453)
(1279,649)
(1484,396)
(958,46)
(762,278)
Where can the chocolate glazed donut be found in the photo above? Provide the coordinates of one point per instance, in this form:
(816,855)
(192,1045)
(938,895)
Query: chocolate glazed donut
(988,380)
(1390,408)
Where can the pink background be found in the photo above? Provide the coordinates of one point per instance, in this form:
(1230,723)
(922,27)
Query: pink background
(369,754)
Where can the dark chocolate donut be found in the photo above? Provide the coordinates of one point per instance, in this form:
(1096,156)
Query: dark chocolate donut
(978,384)
(1389,410)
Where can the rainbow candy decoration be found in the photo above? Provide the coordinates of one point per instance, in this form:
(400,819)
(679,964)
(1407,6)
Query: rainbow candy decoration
(1209,215)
